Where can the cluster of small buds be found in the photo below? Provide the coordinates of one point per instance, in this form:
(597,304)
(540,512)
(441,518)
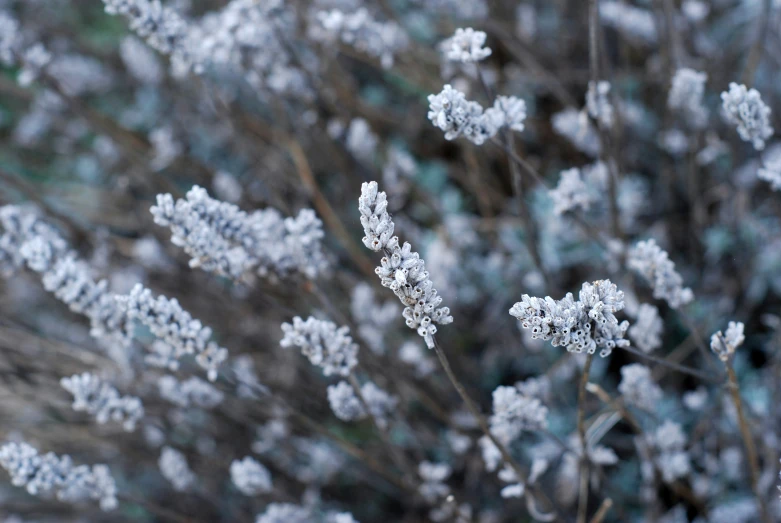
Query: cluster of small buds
(170,323)
(49,473)
(223,239)
(570,193)
(173,466)
(192,391)
(401,269)
(598,103)
(586,324)
(575,126)
(669,445)
(771,173)
(250,477)
(725,344)
(451,112)
(686,92)
(433,476)
(514,413)
(360,30)
(323,343)
(466,46)
(96,397)
(650,261)
(348,407)
(646,331)
(745,109)
(638,387)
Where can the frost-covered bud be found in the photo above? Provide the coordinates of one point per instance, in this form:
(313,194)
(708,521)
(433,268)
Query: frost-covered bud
(161,27)
(571,192)
(344,403)
(650,261)
(433,476)
(514,111)
(771,173)
(381,404)
(514,413)
(745,109)
(598,103)
(646,331)
(638,388)
(323,343)
(456,116)
(169,322)
(96,397)
(250,477)
(724,345)
(686,92)
(173,466)
(193,391)
(285,513)
(49,473)
(466,46)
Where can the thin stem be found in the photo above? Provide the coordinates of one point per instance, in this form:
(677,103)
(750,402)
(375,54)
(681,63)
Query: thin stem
(606,505)
(748,441)
(755,54)
(583,496)
(674,366)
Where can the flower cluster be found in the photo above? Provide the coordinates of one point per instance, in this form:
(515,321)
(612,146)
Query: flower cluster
(451,112)
(95,396)
(170,323)
(192,391)
(433,476)
(514,413)
(361,30)
(401,269)
(638,387)
(323,343)
(688,87)
(725,344)
(250,477)
(745,109)
(571,192)
(646,331)
(223,239)
(49,473)
(584,324)
(466,46)
(652,263)
(668,445)
(173,466)
(771,173)
(348,407)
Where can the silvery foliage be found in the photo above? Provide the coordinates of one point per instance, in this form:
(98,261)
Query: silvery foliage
(373,318)
(466,46)
(250,477)
(401,269)
(433,476)
(170,323)
(285,513)
(223,239)
(598,103)
(647,259)
(348,407)
(359,29)
(96,397)
(771,173)
(646,331)
(638,387)
(514,413)
(51,474)
(636,24)
(586,324)
(192,391)
(451,112)
(686,92)
(725,344)
(323,343)
(173,466)
(575,126)
(668,448)
(571,192)
(745,109)
(27,239)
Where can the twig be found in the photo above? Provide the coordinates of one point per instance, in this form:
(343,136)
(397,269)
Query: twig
(606,505)
(583,496)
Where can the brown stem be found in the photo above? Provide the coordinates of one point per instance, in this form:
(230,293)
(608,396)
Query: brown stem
(583,496)
(603,510)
